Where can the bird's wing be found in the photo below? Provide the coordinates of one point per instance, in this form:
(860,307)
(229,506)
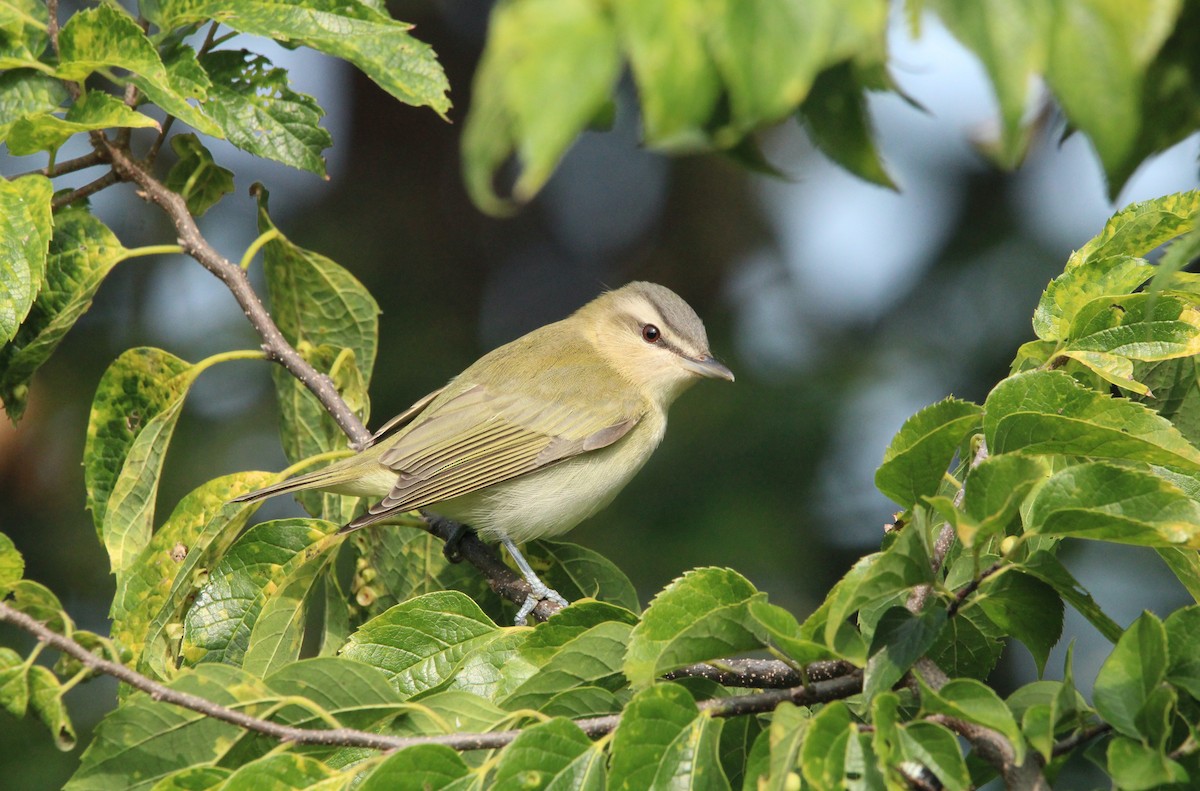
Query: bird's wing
(405,417)
(478,439)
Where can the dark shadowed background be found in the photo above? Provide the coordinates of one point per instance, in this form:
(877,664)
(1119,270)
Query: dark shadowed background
(842,307)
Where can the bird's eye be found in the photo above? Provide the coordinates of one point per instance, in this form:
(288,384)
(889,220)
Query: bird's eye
(650,333)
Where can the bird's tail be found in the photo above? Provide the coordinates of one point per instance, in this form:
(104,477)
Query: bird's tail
(318,479)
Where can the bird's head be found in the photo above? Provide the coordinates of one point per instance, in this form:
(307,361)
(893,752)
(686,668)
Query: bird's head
(653,338)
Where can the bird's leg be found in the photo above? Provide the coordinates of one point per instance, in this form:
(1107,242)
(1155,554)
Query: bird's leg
(538,590)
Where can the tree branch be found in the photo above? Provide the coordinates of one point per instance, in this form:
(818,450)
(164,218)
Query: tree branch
(737,705)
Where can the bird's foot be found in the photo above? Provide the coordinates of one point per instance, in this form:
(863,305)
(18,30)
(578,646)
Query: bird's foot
(538,592)
(453,549)
(454,533)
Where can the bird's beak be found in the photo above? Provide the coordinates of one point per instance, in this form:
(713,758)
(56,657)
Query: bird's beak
(708,366)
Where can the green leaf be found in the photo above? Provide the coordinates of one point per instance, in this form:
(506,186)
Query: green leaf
(278,772)
(1185,564)
(836,116)
(25,92)
(45,698)
(12,565)
(278,632)
(134,412)
(39,602)
(1049,412)
(199,531)
(1136,666)
(1109,333)
(578,572)
(552,755)
(1183,648)
(994,492)
(357,695)
(974,701)
(1087,280)
(23,32)
(691,760)
(183,81)
(218,624)
(425,767)
(366,36)
(970,645)
(663,742)
(14,683)
(768,55)
(143,741)
(699,616)
(677,82)
(97,110)
(200,180)
(1134,766)
(250,101)
(900,639)
(314,301)
(194,778)
(103,37)
(591,657)
(546,72)
(1140,227)
(823,754)
(784,737)
(420,643)
(917,458)
(878,577)
(777,628)
(144,590)
(1098,52)
(1102,501)
(1025,608)
(25,229)
(936,748)
(1050,570)
(1010,39)
(81,254)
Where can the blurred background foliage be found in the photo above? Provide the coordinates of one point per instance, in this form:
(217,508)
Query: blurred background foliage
(843,308)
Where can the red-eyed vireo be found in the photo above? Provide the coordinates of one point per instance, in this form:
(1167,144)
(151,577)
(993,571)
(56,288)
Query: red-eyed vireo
(539,434)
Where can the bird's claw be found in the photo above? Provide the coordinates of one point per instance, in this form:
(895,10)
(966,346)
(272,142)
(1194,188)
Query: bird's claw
(537,593)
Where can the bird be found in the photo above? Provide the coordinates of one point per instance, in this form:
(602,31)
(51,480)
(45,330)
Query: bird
(538,434)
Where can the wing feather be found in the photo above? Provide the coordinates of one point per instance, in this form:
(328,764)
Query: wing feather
(477,439)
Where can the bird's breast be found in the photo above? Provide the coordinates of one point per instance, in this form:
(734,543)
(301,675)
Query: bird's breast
(551,501)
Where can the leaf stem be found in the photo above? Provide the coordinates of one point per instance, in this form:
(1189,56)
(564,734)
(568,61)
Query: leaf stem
(256,245)
(224,357)
(153,249)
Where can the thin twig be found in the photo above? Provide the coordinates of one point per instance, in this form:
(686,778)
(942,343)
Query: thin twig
(91,188)
(70,166)
(1080,737)
(737,705)
(962,593)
